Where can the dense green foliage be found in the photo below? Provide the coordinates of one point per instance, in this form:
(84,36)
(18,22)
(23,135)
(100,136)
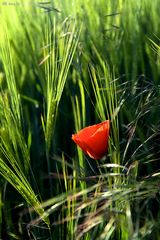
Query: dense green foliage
(63,66)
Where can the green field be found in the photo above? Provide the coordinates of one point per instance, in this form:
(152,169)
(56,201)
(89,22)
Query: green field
(66,65)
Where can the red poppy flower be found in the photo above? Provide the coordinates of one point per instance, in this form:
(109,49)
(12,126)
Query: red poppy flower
(93,140)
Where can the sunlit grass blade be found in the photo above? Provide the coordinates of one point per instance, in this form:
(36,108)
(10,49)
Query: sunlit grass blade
(61,47)
(15,156)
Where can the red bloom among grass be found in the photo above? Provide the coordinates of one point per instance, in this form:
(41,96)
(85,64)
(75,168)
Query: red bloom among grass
(93,140)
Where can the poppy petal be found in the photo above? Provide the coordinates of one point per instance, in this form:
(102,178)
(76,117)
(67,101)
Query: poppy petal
(93,140)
